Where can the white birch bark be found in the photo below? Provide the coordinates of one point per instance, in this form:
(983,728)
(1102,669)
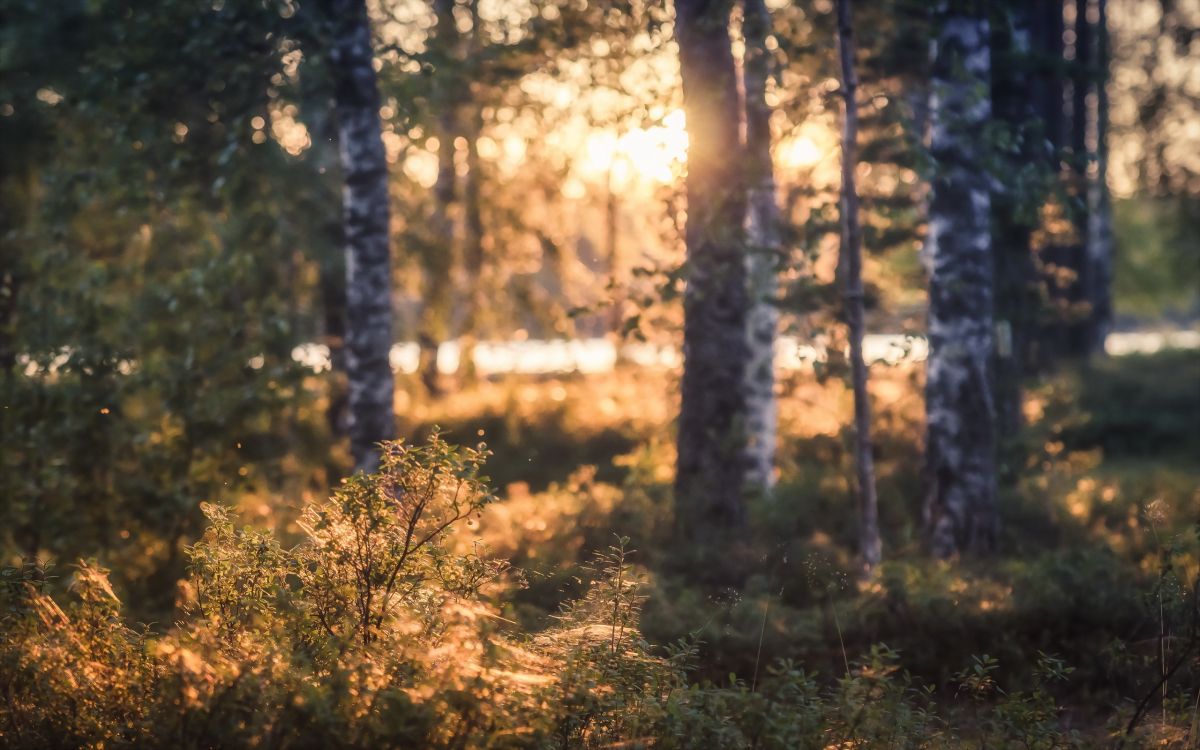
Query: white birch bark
(960,449)
(365,220)
(762,256)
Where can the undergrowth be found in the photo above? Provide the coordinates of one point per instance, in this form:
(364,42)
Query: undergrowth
(381,628)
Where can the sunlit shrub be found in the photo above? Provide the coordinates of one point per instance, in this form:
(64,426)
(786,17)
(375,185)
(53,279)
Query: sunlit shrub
(377,630)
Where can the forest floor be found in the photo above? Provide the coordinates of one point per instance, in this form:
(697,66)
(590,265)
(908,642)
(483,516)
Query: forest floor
(1101,527)
(1082,624)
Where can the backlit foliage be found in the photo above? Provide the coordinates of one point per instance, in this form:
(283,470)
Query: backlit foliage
(376,630)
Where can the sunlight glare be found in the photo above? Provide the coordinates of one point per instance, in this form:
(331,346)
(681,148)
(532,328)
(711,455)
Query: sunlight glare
(800,152)
(652,155)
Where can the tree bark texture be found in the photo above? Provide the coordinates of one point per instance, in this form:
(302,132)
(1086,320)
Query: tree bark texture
(366,229)
(869,546)
(763,251)
(961,494)
(712,420)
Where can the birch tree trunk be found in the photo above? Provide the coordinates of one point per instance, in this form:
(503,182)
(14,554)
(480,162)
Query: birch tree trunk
(712,420)
(365,221)
(763,250)
(960,511)
(869,547)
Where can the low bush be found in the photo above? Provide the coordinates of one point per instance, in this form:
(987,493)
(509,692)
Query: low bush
(381,629)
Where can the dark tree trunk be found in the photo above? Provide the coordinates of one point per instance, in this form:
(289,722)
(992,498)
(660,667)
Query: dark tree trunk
(960,415)
(869,546)
(1014,213)
(366,230)
(439,266)
(474,252)
(763,249)
(712,419)
(1045,338)
(612,254)
(1076,330)
(1100,230)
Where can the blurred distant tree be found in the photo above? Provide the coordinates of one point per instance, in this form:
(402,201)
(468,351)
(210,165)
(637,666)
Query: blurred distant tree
(869,546)
(960,447)
(712,420)
(1077,268)
(1100,237)
(445,54)
(366,231)
(1154,161)
(764,249)
(1023,179)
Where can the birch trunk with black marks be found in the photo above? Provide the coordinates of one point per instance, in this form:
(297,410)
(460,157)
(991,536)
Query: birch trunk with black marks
(1015,206)
(763,251)
(869,546)
(960,511)
(366,227)
(712,420)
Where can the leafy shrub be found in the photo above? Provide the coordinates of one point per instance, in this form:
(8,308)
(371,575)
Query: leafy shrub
(377,630)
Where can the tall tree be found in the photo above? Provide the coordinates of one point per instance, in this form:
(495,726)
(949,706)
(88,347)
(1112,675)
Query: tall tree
(869,547)
(1076,335)
(1015,203)
(763,251)
(445,48)
(712,420)
(1048,91)
(366,234)
(960,446)
(1099,228)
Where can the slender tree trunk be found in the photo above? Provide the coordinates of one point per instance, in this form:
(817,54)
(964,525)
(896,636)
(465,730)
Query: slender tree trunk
(439,266)
(612,253)
(869,547)
(961,501)
(712,419)
(1014,214)
(762,257)
(331,273)
(474,253)
(366,228)
(1044,340)
(332,283)
(1077,327)
(329,248)
(1100,231)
